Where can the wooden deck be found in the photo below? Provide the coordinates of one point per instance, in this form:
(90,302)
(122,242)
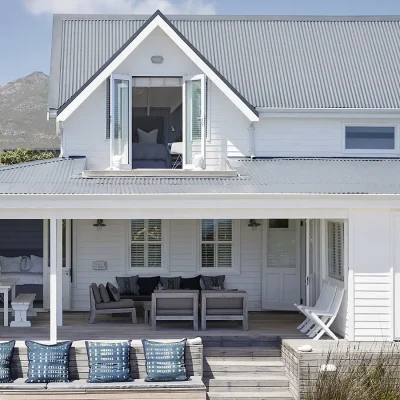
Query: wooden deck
(77,327)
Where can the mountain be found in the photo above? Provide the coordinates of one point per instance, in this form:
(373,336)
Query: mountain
(23,114)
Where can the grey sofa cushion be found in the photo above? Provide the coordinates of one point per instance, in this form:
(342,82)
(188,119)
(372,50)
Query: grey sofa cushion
(212,282)
(113,292)
(104,294)
(170,283)
(96,293)
(128,285)
(124,303)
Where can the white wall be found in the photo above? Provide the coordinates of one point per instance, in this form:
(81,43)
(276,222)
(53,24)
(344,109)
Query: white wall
(306,137)
(371,260)
(110,245)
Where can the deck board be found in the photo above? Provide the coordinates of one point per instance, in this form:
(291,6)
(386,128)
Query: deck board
(77,327)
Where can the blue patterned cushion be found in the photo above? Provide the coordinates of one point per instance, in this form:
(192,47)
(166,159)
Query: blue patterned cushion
(48,363)
(6,353)
(109,362)
(165,361)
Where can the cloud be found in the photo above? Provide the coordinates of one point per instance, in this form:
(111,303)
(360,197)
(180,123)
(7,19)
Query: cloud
(38,7)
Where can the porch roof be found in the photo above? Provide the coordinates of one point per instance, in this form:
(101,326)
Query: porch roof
(260,176)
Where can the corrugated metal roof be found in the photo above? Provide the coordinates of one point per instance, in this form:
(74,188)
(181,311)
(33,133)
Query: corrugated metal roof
(274,62)
(284,176)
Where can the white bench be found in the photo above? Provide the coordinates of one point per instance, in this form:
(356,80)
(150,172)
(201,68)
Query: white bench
(22,307)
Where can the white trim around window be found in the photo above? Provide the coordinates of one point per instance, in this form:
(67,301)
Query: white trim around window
(165,259)
(234,269)
(371,152)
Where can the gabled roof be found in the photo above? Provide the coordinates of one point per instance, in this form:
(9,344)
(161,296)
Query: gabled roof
(273,62)
(262,176)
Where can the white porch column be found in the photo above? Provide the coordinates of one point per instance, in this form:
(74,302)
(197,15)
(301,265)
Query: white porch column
(55,277)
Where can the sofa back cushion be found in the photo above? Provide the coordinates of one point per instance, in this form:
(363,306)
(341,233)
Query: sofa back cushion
(170,283)
(128,285)
(113,292)
(212,282)
(147,285)
(191,283)
(96,293)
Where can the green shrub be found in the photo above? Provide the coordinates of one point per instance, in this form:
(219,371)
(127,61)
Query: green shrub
(21,156)
(359,374)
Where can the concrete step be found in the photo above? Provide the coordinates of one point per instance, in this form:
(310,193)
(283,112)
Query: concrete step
(267,395)
(248,383)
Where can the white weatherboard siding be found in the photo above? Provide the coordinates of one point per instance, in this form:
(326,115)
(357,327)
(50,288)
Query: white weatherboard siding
(308,137)
(84,132)
(371,262)
(110,245)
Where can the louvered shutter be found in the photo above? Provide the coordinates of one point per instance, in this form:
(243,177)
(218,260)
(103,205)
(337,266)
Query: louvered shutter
(336,250)
(196,110)
(108,108)
(146,243)
(207,249)
(224,250)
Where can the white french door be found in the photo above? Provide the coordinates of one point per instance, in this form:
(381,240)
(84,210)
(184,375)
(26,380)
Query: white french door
(121,122)
(194,130)
(281,281)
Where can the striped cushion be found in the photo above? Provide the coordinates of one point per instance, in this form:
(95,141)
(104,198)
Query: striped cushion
(212,282)
(128,285)
(6,353)
(165,361)
(109,362)
(48,363)
(171,283)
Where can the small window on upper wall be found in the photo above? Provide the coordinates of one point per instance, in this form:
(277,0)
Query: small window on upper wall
(370,138)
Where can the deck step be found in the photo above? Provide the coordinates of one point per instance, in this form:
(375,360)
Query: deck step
(247,383)
(239,341)
(270,395)
(246,352)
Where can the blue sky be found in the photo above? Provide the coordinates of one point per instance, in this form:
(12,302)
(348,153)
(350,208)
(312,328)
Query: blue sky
(25,25)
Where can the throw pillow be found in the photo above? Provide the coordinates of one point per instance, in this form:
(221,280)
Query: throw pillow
(113,292)
(6,354)
(165,361)
(170,283)
(190,283)
(148,285)
(36,264)
(96,293)
(212,282)
(109,362)
(147,137)
(128,285)
(104,294)
(48,363)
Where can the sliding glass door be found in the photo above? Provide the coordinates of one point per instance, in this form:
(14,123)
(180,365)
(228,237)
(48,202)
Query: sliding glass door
(194,132)
(121,121)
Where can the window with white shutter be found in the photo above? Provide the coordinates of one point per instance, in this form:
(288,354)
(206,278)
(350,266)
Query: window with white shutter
(336,250)
(217,245)
(146,243)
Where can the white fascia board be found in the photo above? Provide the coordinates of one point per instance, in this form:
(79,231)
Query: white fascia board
(157,22)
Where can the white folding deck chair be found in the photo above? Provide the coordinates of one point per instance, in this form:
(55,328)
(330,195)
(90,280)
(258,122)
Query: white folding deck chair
(318,304)
(324,319)
(325,305)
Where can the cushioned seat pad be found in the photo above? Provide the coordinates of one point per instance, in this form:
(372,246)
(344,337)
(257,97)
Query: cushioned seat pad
(20,384)
(194,382)
(124,303)
(136,298)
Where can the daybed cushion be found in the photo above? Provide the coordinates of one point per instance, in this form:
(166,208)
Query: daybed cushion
(10,264)
(48,363)
(104,294)
(212,282)
(148,285)
(113,292)
(36,264)
(109,362)
(128,285)
(165,361)
(170,283)
(136,298)
(6,354)
(96,293)
(124,303)
(191,283)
